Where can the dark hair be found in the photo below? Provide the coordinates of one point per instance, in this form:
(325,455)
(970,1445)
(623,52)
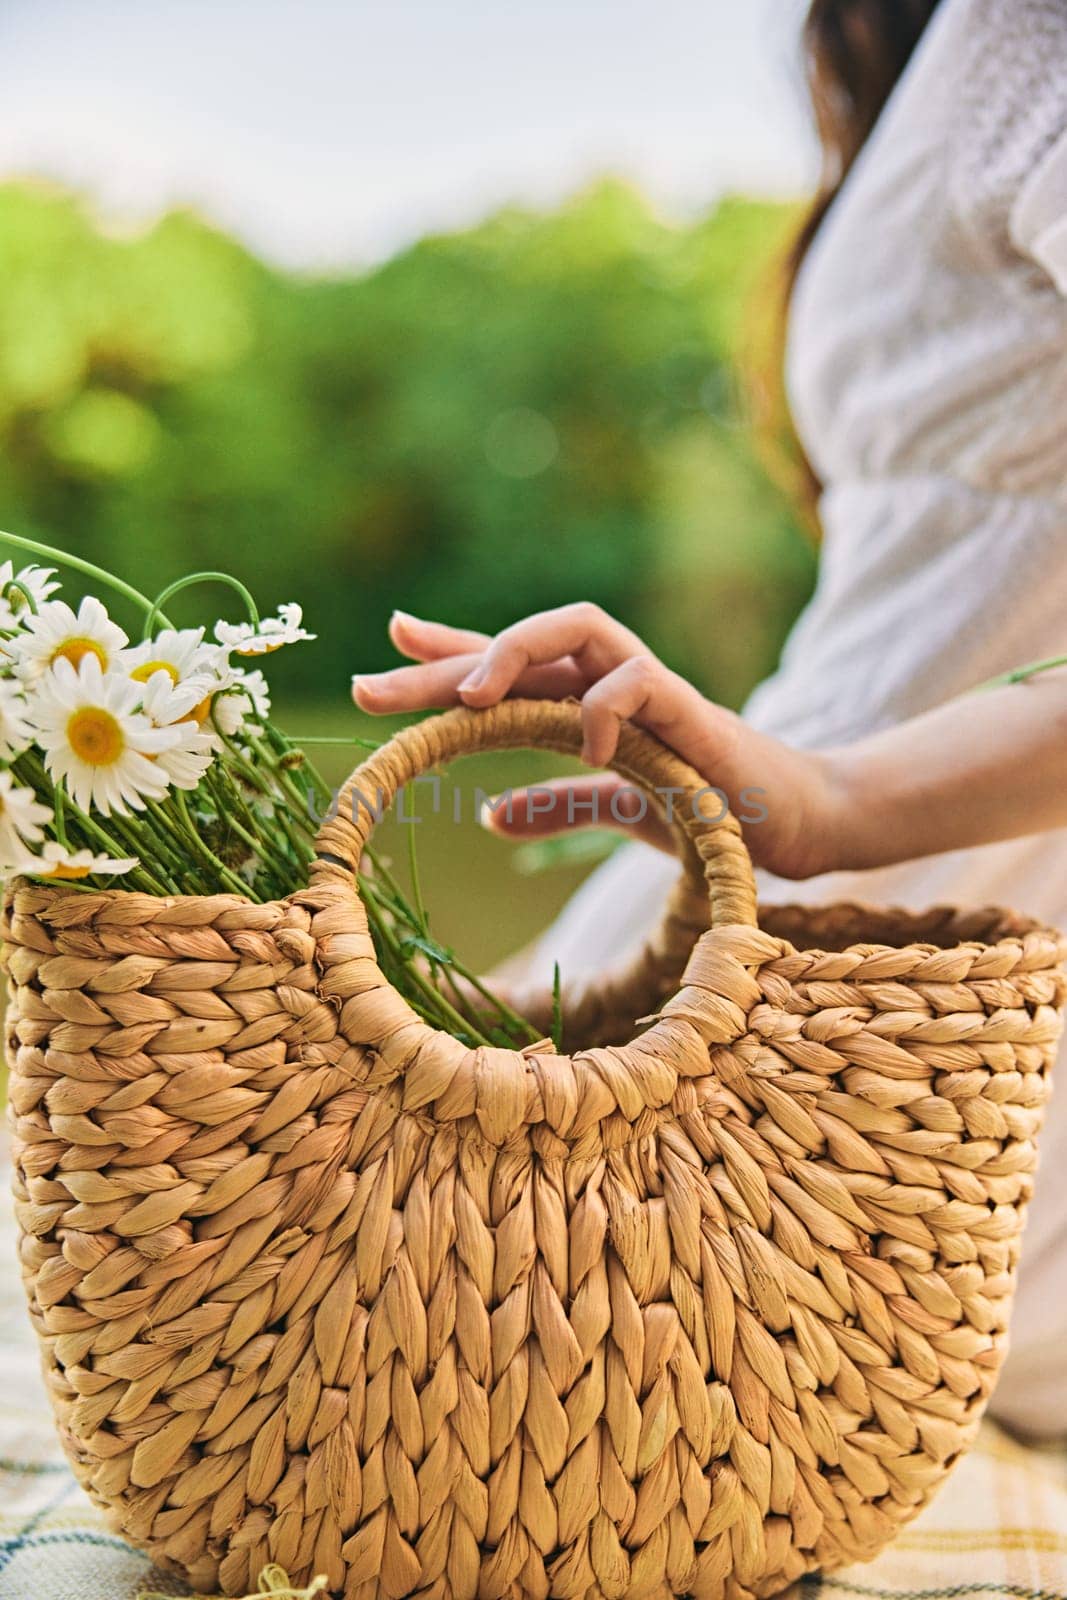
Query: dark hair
(854,53)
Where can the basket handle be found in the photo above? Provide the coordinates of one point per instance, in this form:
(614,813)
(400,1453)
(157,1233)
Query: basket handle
(715,860)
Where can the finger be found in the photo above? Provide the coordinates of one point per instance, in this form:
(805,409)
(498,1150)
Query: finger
(593,640)
(423,640)
(561,805)
(435,684)
(642,690)
(426,641)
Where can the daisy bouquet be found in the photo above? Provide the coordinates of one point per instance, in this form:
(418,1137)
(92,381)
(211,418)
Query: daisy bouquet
(154,765)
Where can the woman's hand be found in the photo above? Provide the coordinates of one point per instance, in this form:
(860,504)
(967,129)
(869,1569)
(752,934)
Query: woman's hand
(790,797)
(983,767)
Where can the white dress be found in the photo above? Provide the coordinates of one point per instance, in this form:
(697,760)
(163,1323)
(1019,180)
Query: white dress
(927,369)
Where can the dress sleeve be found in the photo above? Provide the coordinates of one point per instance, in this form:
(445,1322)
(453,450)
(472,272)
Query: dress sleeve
(1007,135)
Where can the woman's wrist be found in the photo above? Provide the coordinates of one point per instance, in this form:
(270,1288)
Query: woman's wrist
(808,824)
(846,829)
(850,810)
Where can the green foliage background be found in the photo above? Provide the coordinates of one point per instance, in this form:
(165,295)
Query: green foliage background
(540,409)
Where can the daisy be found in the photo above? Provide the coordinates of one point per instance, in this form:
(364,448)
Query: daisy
(179,652)
(175,707)
(15,732)
(96,739)
(252,639)
(245,699)
(13,604)
(21,816)
(56,861)
(56,633)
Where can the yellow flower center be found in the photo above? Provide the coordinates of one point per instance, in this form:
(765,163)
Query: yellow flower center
(261,649)
(62,869)
(142,674)
(75,651)
(199,713)
(95,737)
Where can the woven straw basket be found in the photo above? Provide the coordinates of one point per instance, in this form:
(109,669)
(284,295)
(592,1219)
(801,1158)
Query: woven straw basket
(686,1315)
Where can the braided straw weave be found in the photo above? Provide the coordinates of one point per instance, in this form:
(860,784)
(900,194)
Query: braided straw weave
(687,1315)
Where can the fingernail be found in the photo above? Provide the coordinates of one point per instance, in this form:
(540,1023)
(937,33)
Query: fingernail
(486,811)
(473,680)
(402,616)
(364,685)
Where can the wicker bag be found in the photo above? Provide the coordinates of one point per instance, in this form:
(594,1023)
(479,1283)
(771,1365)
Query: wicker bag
(687,1315)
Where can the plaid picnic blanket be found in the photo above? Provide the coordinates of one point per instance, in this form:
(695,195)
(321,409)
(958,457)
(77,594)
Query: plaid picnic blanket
(998,1528)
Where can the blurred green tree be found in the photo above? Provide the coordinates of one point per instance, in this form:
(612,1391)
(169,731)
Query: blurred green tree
(539,409)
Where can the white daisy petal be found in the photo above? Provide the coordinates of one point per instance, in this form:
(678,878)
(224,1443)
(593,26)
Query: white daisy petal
(22,818)
(56,633)
(16,733)
(14,607)
(179,652)
(180,709)
(96,740)
(57,861)
(245,700)
(250,639)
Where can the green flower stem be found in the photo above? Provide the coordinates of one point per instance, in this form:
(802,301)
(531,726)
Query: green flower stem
(227,795)
(301,846)
(438,1008)
(511,1018)
(282,775)
(298,739)
(296,810)
(170,839)
(557,1009)
(144,833)
(259,846)
(288,818)
(416,886)
(33,769)
(395,902)
(293,824)
(251,773)
(154,609)
(140,838)
(13,584)
(507,1015)
(283,745)
(201,848)
(255,778)
(462,1001)
(1023,674)
(230,803)
(57,816)
(87,568)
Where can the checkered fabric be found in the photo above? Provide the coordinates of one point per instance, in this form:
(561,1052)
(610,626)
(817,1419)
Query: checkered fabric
(997,1529)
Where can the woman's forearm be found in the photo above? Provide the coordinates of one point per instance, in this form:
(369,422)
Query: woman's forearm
(987,766)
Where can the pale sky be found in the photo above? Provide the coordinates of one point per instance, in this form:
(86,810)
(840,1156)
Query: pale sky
(328,134)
